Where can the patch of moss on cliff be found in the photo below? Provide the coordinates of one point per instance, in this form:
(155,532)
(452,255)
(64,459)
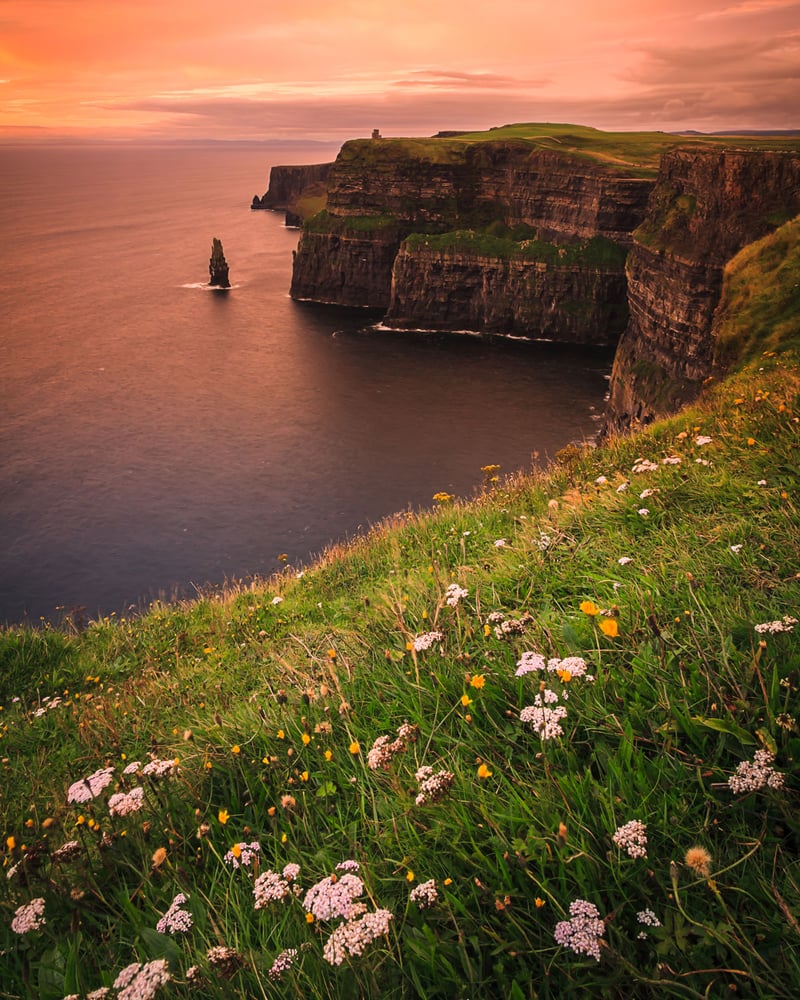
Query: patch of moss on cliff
(520,243)
(324,222)
(760,306)
(667,224)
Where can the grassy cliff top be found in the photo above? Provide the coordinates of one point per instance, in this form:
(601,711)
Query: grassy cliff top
(635,152)
(554,727)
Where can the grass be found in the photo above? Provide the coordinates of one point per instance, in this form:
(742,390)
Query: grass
(503,242)
(635,153)
(652,559)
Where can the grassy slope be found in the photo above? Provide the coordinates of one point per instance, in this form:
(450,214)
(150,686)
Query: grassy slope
(261,699)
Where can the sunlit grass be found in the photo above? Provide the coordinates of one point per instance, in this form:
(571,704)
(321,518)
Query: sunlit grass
(270,699)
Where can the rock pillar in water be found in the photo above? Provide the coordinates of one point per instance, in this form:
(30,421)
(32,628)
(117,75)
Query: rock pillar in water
(218,266)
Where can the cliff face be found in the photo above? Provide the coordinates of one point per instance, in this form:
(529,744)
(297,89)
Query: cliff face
(380,192)
(436,290)
(287,184)
(704,208)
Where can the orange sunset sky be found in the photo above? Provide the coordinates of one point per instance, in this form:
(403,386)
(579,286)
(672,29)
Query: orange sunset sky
(333,69)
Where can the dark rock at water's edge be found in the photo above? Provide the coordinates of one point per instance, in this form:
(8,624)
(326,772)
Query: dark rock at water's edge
(218,266)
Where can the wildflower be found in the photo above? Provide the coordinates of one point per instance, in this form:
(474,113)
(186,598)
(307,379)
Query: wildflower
(282,963)
(334,897)
(484,771)
(306,739)
(622,487)
(11,842)
(409,875)
(466,701)
(355,748)
(89,788)
(132,768)
(751,776)
(624,560)
(454,594)
(609,627)
(702,439)
(433,787)
(383,751)
(223,816)
(582,932)
(643,512)
(276,600)
(352,937)
(589,608)
(348,866)
(500,543)
(538,902)
(645,494)
(175,919)
(425,894)
(236,749)
(600,481)
(785,624)
(160,768)
(159,857)
(243,855)
(648,919)
(227,961)
(545,720)
(642,465)
(442,497)
(426,640)
(29,917)
(699,860)
(328,755)
(477,681)
(123,804)
(671,460)
(69,850)
(736,549)
(632,837)
(530,662)
(140,982)
(270,887)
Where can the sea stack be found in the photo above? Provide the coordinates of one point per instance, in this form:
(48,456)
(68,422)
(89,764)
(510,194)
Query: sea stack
(218,266)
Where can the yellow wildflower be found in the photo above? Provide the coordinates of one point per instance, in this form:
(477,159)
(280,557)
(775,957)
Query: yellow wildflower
(236,749)
(609,627)
(538,902)
(589,608)
(477,681)
(223,816)
(354,747)
(306,739)
(409,876)
(309,918)
(484,772)
(466,700)
(328,755)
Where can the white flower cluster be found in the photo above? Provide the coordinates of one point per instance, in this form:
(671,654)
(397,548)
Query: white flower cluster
(702,439)
(243,855)
(89,788)
(176,919)
(270,887)
(345,866)
(140,982)
(383,750)
(282,963)
(632,837)
(29,917)
(426,640)
(582,932)
(425,894)
(432,786)
(505,627)
(642,465)
(648,919)
(545,714)
(785,624)
(353,936)
(125,803)
(454,594)
(752,776)
(575,666)
(334,897)
(160,768)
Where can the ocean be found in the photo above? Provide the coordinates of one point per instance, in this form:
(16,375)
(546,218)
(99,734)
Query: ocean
(158,438)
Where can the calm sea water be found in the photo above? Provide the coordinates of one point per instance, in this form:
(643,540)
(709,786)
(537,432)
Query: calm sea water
(156,436)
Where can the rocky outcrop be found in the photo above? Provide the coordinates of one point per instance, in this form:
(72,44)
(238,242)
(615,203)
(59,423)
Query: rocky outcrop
(441,290)
(288,185)
(705,207)
(379,193)
(218,266)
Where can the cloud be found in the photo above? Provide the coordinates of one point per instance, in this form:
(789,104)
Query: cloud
(747,7)
(439,79)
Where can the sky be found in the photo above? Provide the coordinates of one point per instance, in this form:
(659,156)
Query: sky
(336,69)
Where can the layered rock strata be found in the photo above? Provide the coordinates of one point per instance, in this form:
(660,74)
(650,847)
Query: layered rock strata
(705,207)
(287,184)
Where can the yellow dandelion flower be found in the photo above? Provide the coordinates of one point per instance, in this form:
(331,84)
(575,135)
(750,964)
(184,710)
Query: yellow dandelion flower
(328,755)
(281,734)
(448,881)
(304,776)
(564,676)
(223,816)
(409,876)
(484,772)
(332,654)
(284,838)
(80,820)
(466,700)
(538,902)
(306,739)
(236,851)
(487,630)
(589,608)
(354,747)
(477,681)
(751,441)
(309,918)
(236,749)
(609,627)
(11,843)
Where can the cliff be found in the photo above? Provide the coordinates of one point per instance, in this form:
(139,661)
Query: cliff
(705,207)
(381,192)
(299,191)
